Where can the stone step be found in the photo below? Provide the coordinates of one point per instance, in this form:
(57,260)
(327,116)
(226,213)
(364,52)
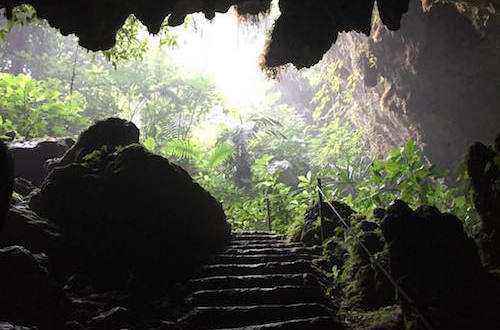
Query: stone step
(253,233)
(261,241)
(293,267)
(247,238)
(251,281)
(280,295)
(314,323)
(293,250)
(260,245)
(241,316)
(259,258)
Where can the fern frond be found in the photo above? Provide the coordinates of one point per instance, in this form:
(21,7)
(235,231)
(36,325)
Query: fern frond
(180,149)
(220,154)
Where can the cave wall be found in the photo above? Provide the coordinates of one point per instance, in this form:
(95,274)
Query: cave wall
(441,71)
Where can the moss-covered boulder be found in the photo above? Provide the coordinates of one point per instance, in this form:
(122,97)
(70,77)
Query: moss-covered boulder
(362,283)
(358,283)
(310,233)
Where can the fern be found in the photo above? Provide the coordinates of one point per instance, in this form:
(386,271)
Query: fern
(181,149)
(220,154)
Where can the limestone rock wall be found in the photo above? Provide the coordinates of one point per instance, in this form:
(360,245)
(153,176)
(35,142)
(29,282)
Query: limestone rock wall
(440,70)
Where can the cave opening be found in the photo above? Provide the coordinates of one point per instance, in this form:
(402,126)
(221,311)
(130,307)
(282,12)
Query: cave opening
(249,164)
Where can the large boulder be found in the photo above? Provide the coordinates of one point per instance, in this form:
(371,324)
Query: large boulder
(30,157)
(132,217)
(6,181)
(483,165)
(28,295)
(109,133)
(438,266)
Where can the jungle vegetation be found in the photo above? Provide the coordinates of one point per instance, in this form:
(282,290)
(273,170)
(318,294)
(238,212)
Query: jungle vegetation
(51,87)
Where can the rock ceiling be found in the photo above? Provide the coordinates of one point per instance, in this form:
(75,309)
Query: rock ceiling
(305,30)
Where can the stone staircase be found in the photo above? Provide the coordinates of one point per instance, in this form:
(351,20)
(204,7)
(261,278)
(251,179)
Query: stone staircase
(259,282)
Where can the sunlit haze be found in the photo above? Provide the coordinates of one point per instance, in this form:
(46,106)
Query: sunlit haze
(228,51)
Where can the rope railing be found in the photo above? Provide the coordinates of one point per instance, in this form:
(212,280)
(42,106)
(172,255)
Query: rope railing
(372,257)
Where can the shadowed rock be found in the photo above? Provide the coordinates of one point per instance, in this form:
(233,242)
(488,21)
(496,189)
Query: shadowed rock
(125,217)
(28,295)
(30,157)
(303,33)
(109,134)
(6,181)
(437,264)
(483,165)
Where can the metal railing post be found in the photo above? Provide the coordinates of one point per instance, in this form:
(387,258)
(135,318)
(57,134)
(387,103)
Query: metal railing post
(320,210)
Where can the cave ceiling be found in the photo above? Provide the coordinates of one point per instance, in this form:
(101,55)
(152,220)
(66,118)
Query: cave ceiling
(302,34)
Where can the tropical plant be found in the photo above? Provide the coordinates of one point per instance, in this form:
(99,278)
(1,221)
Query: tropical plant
(38,108)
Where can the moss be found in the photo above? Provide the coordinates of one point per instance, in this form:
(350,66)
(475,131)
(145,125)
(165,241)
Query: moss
(389,317)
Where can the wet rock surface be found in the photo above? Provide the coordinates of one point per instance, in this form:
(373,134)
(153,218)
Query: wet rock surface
(438,265)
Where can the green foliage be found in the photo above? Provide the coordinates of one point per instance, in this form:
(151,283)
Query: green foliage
(21,15)
(180,149)
(308,127)
(150,143)
(220,154)
(405,175)
(39,108)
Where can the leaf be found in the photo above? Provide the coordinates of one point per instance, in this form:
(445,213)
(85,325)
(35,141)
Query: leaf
(394,153)
(180,149)
(411,151)
(220,154)
(150,143)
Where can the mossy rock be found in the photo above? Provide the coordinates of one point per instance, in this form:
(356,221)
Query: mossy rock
(386,318)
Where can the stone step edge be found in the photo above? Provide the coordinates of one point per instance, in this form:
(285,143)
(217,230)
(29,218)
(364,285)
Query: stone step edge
(304,287)
(280,324)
